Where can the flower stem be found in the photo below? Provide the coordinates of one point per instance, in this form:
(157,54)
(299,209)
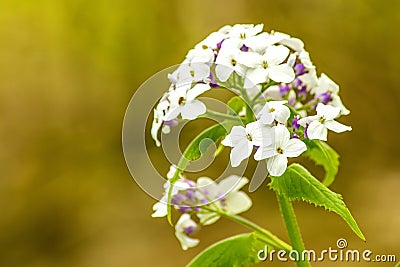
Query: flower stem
(218,115)
(292,228)
(269,237)
(266,235)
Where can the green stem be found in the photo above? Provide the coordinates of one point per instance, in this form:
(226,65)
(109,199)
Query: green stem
(218,115)
(309,105)
(268,237)
(292,228)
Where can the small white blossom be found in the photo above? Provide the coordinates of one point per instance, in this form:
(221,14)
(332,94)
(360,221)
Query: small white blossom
(325,85)
(283,148)
(225,196)
(244,31)
(229,60)
(242,140)
(274,110)
(183,101)
(184,227)
(270,65)
(319,124)
(337,102)
(189,72)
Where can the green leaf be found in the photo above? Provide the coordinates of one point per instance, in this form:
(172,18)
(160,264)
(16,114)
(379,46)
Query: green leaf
(322,154)
(239,250)
(194,151)
(236,104)
(298,184)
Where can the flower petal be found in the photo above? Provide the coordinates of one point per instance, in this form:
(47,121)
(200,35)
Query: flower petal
(317,130)
(282,135)
(265,115)
(281,73)
(237,202)
(237,134)
(327,112)
(160,210)
(197,90)
(223,72)
(240,152)
(208,186)
(265,152)
(337,127)
(254,77)
(307,120)
(277,165)
(276,54)
(294,148)
(232,184)
(192,109)
(184,222)
(282,114)
(173,113)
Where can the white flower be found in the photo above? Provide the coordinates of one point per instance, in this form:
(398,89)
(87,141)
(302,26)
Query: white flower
(242,140)
(309,79)
(283,148)
(325,85)
(159,114)
(319,124)
(161,208)
(268,66)
(225,196)
(229,60)
(184,227)
(244,31)
(292,42)
(274,110)
(190,72)
(337,102)
(183,102)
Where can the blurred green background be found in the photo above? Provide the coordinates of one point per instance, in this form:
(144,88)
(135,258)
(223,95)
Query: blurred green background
(67,71)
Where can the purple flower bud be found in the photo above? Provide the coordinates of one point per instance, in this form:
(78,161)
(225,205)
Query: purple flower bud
(190,183)
(213,83)
(297,82)
(190,194)
(302,93)
(185,209)
(284,88)
(178,199)
(173,122)
(220,44)
(324,98)
(295,122)
(204,201)
(299,69)
(197,209)
(190,229)
(244,48)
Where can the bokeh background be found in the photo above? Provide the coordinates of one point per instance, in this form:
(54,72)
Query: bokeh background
(67,71)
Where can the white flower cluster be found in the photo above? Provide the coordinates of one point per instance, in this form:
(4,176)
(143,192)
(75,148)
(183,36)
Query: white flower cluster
(285,103)
(203,199)
(274,69)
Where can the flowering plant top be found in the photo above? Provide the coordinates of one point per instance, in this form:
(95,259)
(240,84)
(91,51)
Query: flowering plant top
(282,109)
